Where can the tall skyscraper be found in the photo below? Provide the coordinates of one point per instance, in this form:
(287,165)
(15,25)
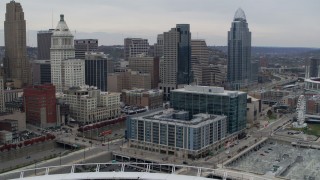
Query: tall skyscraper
(44,44)
(239,52)
(65,70)
(84,45)
(312,68)
(96,70)
(176,63)
(158,47)
(16,65)
(135,46)
(145,64)
(199,59)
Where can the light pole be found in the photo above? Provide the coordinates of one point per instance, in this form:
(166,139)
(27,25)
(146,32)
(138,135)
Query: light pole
(84,154)
(60,158)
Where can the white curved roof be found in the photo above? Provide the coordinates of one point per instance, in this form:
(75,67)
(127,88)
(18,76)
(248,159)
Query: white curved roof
(239,15)
(116,175)
(62,28)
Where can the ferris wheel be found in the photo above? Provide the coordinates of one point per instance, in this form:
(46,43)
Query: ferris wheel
(301,110)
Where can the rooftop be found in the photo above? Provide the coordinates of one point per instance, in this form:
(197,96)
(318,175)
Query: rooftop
(175,117)
(239,15)
(210,90)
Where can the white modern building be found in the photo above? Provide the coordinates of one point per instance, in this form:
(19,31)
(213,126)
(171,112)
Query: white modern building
(89,104)
(65,70)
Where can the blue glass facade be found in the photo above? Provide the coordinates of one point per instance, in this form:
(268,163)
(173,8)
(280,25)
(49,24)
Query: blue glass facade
(239,52)
(233,106)
(184,75)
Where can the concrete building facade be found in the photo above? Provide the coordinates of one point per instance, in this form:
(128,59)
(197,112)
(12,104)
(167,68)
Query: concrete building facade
(83,46)
(176,63)
(2,99)
(176,133)
(62,48)
(135,46)
(73,73)
(16,64)
(199,59)
(89,105)
(146,65)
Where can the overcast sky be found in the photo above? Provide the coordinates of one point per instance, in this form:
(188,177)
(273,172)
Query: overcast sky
(290,23)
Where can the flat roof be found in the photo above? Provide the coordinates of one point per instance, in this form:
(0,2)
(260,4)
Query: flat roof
(211,90)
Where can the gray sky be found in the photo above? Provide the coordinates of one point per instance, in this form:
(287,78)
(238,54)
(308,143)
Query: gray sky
(292,23)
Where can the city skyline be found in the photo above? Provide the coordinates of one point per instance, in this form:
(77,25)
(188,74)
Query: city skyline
(273,23)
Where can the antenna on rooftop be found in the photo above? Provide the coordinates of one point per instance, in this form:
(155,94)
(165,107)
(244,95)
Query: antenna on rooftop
(52,19)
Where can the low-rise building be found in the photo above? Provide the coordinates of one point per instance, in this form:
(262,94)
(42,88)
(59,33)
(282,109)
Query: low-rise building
(176,132)
(11,126)
(5,137)
(89,104)
(145,98)
(269,96)
(253,110)
(15,116)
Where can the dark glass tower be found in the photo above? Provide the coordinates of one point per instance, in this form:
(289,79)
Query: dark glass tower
(96,70)
(239,52)
(184,55)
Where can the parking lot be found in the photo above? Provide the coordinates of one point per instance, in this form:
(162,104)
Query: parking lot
(281,159)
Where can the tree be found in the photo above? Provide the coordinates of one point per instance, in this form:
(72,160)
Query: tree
(269,113)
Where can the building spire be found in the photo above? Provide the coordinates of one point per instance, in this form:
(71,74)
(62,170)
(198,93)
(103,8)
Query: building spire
(239,15)
(61,17)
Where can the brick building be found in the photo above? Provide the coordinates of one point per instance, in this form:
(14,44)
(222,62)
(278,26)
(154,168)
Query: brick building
(40,105)
(145,98)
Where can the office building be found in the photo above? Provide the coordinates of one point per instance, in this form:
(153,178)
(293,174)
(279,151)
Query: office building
(16,65)
(73,73)
(135,46)
(213,100)
(96,70)
(41,72)
(89,104)
(312,68)
(5,137)
(143,98)
(176,63)
(11,126)
(44,44)
(199,59)
(2,99)
(176,132)
(158,47)
(65,70)
(40,105)
(239,52)
(148,65)
(83,46)
(214,75)
(128,80)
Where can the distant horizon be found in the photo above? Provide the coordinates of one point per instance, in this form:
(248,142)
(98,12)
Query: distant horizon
(291,23)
